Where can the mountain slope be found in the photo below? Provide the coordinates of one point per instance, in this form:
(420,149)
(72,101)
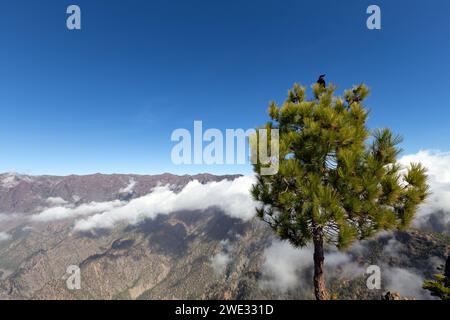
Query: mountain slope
(187,254)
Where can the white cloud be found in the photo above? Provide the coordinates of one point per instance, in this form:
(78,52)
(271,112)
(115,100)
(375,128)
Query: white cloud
(4,236)
(55,201)
(65,212)
(220,261)
(232,197)
(129,188)
(283,265)
(406,282)
(286,268)
(393,248)
(438,165)
(8,217)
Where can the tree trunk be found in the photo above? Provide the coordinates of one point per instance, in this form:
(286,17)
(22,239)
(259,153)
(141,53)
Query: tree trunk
(319,278)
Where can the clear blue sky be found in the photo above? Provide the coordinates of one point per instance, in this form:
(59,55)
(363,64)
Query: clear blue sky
(106,98)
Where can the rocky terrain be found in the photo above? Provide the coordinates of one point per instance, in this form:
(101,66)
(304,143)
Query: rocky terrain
(185,254)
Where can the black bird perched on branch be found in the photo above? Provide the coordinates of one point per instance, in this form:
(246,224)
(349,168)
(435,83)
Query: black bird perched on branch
(321,81)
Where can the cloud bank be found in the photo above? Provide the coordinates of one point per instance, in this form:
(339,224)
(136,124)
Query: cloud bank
(232,197)
(283,266)
(71,211)
(287,268)
(435,213)
(408,283)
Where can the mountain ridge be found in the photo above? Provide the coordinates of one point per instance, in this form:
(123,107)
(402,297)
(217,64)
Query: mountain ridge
(187,254)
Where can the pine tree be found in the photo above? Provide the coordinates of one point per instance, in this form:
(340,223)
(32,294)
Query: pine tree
(337,182)
(440,287)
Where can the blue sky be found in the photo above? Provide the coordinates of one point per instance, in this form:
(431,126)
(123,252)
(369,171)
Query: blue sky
(107,98)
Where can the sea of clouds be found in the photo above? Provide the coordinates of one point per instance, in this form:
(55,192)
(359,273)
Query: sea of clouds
(233,198)
(285,268)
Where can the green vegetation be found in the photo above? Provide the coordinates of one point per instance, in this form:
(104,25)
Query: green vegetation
(440,287)
(337,182)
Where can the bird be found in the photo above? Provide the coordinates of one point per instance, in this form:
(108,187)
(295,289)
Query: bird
(321,80)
